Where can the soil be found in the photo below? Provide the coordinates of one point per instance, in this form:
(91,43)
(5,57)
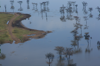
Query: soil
(10,28)
(38,34)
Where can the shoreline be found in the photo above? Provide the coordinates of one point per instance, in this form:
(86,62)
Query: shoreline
(17,24)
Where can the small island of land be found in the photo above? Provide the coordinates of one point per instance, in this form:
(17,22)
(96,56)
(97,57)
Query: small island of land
(15,31)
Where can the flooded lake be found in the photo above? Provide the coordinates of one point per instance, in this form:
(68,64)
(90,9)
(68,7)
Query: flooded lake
(74,24)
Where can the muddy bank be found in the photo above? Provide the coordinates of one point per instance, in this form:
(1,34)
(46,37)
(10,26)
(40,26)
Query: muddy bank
(37,35)
(17,23)
(20,25)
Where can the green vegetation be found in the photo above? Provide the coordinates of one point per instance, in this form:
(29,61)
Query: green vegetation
(4,35)
(3,20)
(20,33)
(18,18)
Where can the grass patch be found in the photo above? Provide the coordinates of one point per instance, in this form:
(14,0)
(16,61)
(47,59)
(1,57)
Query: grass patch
(19,33)
(20,16)
(3,20)
(4,35)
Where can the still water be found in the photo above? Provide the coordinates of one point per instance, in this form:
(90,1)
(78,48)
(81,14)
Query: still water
(60,18)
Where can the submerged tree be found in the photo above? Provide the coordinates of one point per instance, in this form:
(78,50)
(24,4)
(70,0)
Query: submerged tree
(90,15)
(76,9)
(5,8)
(44,9)
(87,37)
(12,7)
(84,7)
(68,52)
(98,45)
(50,57)
(86,18)
(62,11)
(20,9)
(99,13)
(28,7)
(59,51)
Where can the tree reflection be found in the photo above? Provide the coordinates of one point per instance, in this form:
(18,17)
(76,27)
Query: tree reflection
(68,52)
(2,56)
(60,62)
(59,51)
(69,10)
(77,37)
(50,57)
(98,45)
(99,13)
(12,7)
(62,11)
(44,8)
(76,9)
(0,64)
(84,7)
(28,7)
(5,8)
(86,18)
(87,37)
(35,6)
(90,15)
(73,3)
(20,9)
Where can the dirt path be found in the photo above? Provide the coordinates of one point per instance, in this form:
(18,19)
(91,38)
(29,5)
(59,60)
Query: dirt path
(10,28)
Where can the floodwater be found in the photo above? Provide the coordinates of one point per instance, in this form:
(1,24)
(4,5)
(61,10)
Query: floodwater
(68,22)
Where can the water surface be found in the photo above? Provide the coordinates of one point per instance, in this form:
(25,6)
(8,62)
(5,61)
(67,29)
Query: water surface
(32,52)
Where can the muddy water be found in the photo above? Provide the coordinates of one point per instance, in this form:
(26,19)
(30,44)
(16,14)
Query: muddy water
(32,53)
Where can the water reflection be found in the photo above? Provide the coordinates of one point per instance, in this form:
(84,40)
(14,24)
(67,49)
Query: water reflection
(84,7)
(60,63)
(20,9)
(50,57)
(76,35)
(98,45)
(76,9)
(90,15)
(69,9)
(2,56)
(99,13)
(35,6)
(59,51)
(86,18)
(44,9)
(28,7)
(67,53)
(68,12)
(62,11)
(12,7)
(5,8)
(0,64)
(88,38)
